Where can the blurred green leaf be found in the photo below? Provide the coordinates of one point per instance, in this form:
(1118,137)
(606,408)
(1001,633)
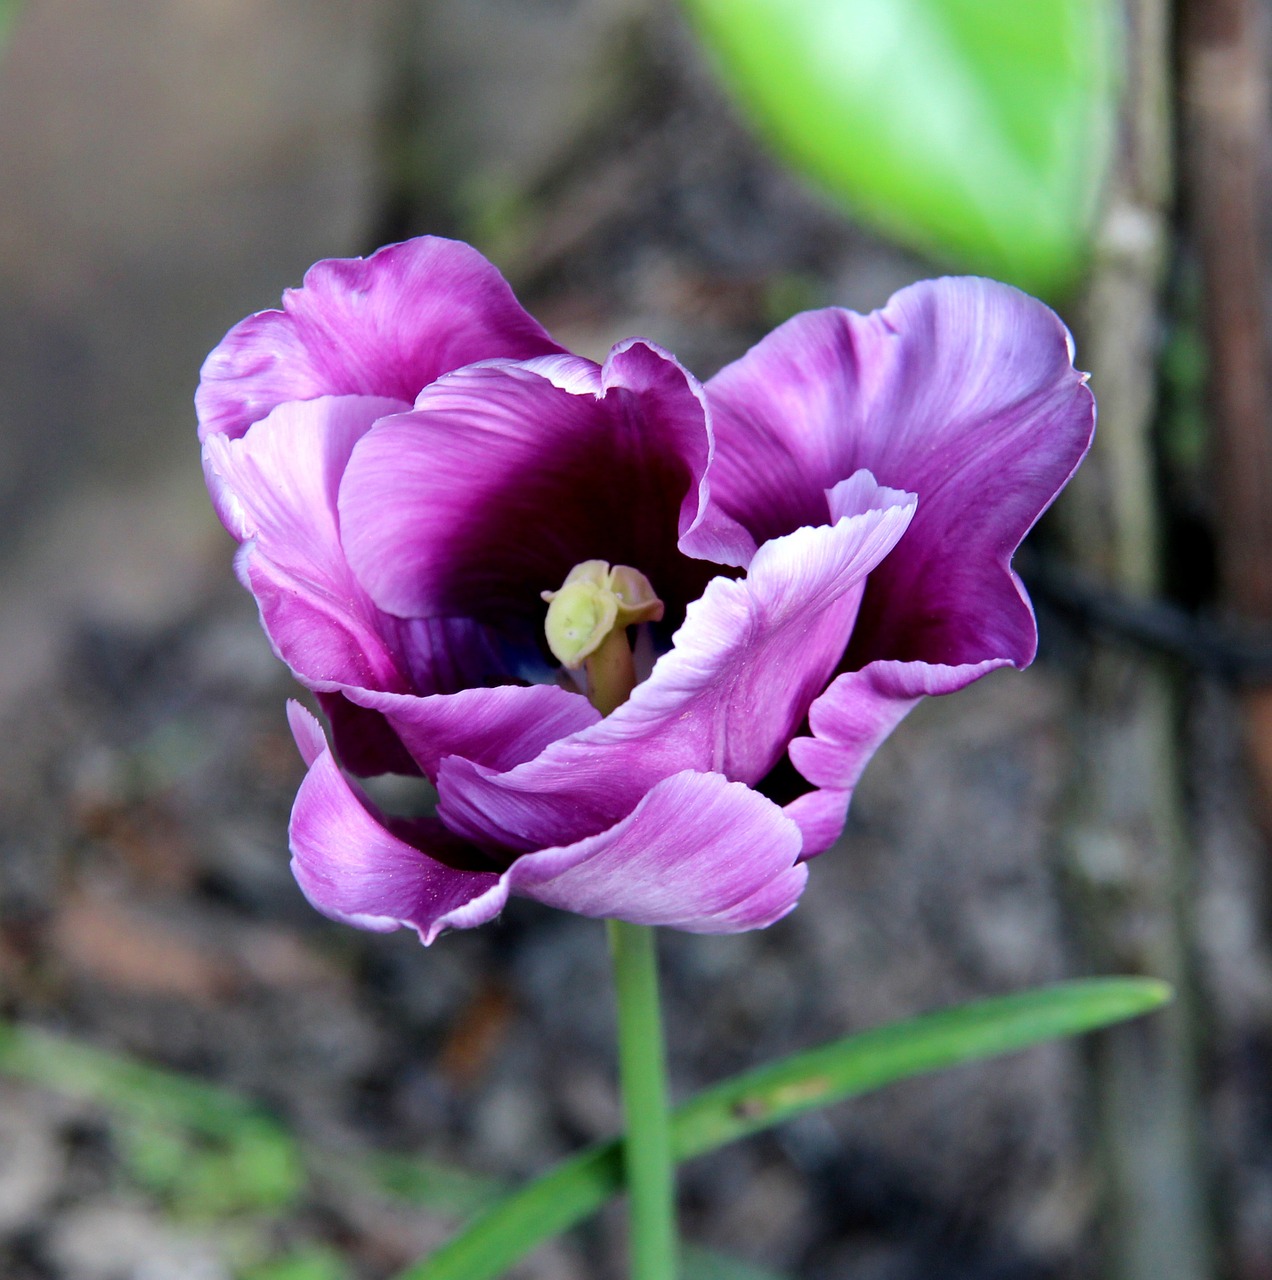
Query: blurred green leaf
(203,1179)
(313,1263)
(976,130)
(440,1187)
(209,1152)
(206,1150)
(8,11)
(156,1156)
(767,1096)
(703,1264)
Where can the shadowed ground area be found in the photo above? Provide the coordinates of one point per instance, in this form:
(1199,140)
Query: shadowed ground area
(146,771)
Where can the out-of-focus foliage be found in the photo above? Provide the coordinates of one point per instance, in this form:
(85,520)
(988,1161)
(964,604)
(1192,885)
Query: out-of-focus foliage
(309,1263)
(782,1090)
(203,1150)
(976,130)
(8,9)
(212,1159)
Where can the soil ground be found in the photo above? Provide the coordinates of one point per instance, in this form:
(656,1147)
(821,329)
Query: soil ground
(146,771)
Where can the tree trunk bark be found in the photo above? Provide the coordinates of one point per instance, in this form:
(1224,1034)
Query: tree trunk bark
(1124,842)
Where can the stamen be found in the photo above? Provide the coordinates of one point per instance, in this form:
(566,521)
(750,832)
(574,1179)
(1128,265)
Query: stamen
(587,626)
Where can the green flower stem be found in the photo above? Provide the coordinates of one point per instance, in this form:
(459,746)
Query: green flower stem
(648,1165)
(759,1099)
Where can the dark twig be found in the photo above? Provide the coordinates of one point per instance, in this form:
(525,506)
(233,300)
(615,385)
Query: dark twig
(1213,646)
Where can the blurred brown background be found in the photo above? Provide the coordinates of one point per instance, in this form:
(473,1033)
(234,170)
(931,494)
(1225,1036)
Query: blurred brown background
(167,167)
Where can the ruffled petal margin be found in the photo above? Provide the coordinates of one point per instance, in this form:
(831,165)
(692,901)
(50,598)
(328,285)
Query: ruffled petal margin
(747,663)
(849,723)
(698,853)
(386,325)
(962,391)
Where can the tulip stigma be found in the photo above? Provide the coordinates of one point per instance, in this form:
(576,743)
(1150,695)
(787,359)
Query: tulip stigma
(587,623)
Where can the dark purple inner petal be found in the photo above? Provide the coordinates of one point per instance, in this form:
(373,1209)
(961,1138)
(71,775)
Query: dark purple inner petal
(500,482)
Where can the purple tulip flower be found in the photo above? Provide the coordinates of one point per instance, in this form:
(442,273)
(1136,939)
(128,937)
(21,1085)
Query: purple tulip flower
(412,466)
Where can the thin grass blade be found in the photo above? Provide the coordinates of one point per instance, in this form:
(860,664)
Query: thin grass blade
(765,1097)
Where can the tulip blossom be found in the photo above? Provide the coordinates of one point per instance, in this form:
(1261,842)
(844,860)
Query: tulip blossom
(601,607)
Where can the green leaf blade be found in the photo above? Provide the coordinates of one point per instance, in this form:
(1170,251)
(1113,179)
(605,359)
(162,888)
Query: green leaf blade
(769,1095)
(872,1059)
(976,130)
(522,1221)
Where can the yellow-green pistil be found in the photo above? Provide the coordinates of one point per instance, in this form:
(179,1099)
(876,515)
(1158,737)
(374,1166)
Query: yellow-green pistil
(587,626)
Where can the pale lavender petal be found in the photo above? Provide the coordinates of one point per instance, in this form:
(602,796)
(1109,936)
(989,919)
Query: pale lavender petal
(575,374)
(310,740)
(848,723)
(498,728)
(276,489)
(281,481)
(748,662)
(325,638)
(697,853)
(352,868)
(820,815)
(386,325)
(501,480)
(764,907)
(962,391)
(862,492)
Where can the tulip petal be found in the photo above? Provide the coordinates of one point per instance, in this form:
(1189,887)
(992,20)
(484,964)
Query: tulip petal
(311,742)
(352,868)
(697,853)
(276,490)
(849,722)
(751,657)
(961,390)
(498,728)
(505,476)
(282,481)
(386,325)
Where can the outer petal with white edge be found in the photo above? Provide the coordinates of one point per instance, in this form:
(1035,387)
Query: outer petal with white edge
(352,868)
(386,325)
(698,853)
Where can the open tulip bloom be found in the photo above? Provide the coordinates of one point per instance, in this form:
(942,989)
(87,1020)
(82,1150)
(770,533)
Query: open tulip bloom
(602,607)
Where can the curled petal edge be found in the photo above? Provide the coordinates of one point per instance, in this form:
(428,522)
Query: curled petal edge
(353,869)
(498,728)
(849,723)
(387,324)
(698,853)
(745,666)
